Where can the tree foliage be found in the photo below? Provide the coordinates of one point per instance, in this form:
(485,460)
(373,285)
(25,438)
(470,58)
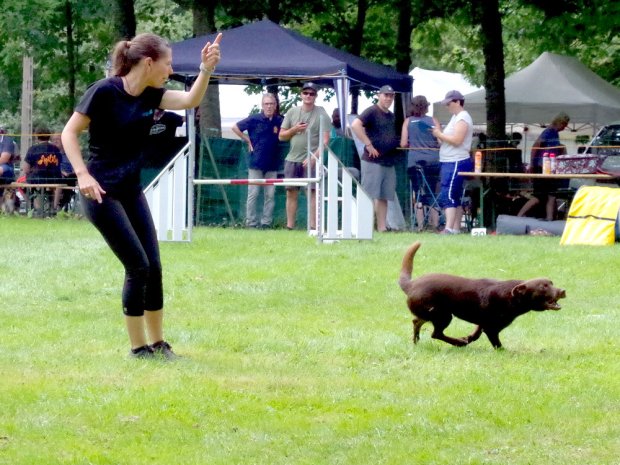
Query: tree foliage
(588,30)
(70,50)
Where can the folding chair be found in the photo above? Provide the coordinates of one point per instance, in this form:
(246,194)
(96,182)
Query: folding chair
(423,200)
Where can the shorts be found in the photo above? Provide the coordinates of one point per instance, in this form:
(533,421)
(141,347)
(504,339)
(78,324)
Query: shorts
(378,181)
(7,173)
(293,169)
(451,192)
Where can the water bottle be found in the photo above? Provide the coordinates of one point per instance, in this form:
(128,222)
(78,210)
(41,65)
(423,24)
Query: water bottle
(546,164)
(553,163)
(478,162)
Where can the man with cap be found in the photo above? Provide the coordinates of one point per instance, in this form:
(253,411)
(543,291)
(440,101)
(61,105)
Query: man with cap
(454,156)
(375,128)
(299,122)
(422,160)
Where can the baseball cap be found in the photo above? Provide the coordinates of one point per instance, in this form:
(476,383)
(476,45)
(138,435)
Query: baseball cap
(310,85)
(452,95)
(386,90)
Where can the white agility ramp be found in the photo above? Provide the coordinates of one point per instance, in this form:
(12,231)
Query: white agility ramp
(170,197)
(348,210)
(343,209)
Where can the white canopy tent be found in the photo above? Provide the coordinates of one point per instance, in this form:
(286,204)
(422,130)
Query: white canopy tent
(551,84)
(435,84)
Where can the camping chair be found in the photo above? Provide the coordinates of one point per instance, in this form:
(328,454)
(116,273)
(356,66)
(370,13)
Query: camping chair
(423,200)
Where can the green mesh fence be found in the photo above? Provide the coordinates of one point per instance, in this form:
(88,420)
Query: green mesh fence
(224,205)
(227,159)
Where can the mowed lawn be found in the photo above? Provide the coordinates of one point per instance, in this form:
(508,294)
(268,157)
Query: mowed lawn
(296,352)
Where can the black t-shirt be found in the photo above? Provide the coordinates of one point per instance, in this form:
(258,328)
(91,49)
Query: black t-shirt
(380,129)
(119,128)
(44,160)
(162,142)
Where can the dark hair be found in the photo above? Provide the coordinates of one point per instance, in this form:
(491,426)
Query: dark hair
(42,133)
(128,53)
(419,106)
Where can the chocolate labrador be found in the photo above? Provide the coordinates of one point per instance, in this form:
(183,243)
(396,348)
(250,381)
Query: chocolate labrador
(488,303)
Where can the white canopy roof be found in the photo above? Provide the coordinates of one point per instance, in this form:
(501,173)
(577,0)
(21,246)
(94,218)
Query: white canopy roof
(435,84)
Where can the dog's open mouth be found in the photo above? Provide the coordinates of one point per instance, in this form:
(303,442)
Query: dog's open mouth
(552,303)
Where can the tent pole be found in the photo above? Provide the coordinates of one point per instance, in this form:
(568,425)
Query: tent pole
(341,85)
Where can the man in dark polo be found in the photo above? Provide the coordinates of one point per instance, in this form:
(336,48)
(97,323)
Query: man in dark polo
(262,139)
(375,128)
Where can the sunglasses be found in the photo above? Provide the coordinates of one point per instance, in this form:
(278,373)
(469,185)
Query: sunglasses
(313,94)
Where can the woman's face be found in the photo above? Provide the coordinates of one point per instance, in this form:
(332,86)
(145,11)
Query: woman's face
(161,69)
(454,107)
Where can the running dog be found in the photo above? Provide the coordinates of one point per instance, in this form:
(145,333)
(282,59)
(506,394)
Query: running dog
(490,304)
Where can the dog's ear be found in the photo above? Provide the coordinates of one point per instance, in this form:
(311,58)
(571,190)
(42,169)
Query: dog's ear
(519,290)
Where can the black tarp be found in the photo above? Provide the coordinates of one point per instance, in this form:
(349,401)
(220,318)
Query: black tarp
(265,53)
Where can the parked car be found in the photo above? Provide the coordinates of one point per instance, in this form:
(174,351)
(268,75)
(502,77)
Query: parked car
(605,142)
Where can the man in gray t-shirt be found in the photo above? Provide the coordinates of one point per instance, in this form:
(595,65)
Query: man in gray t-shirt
(297,122)
(375,128)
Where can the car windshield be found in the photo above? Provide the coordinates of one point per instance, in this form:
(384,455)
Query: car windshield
(608,139)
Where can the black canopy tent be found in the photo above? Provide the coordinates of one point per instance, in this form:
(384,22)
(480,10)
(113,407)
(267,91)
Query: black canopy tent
(264,53)
(264,50)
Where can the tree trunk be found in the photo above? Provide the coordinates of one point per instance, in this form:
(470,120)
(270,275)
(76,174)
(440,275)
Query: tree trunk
(274,11)
(72,69)
(356,46)
(274,14)
(489,18)
(403,53)
(126,19)
(210,120)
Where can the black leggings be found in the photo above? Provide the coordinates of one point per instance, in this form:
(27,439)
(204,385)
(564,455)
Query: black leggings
(127,226)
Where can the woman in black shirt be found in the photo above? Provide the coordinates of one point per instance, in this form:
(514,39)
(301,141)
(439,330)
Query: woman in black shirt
(118,112)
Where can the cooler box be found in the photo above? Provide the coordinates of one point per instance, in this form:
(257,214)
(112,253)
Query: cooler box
(578,164)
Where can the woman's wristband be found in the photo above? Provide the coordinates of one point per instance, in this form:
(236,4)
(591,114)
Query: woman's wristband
(204,69)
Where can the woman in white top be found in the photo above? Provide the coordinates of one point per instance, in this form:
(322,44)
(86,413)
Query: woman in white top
(454,156)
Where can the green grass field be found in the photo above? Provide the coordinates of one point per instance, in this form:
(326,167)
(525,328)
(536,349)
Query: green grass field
(296,352)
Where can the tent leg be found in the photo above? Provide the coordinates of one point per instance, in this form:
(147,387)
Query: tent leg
(217,174)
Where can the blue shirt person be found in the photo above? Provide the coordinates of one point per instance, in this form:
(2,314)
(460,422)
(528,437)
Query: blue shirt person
(260,132)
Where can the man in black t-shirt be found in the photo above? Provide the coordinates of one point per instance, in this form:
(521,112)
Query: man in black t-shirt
(42,165)
(42,162)
(375,128)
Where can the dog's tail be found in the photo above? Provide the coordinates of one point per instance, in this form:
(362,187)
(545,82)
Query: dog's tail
(407,267)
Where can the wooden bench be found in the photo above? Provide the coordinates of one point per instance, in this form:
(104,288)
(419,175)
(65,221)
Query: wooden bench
(33,191)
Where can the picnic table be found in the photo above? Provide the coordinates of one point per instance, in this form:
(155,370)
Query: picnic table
(487,185)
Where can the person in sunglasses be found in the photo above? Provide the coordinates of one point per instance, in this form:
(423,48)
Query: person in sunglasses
(298,122)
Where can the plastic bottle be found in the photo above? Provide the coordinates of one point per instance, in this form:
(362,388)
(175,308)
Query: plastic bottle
(553,163)
(478,162)
(546,164)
